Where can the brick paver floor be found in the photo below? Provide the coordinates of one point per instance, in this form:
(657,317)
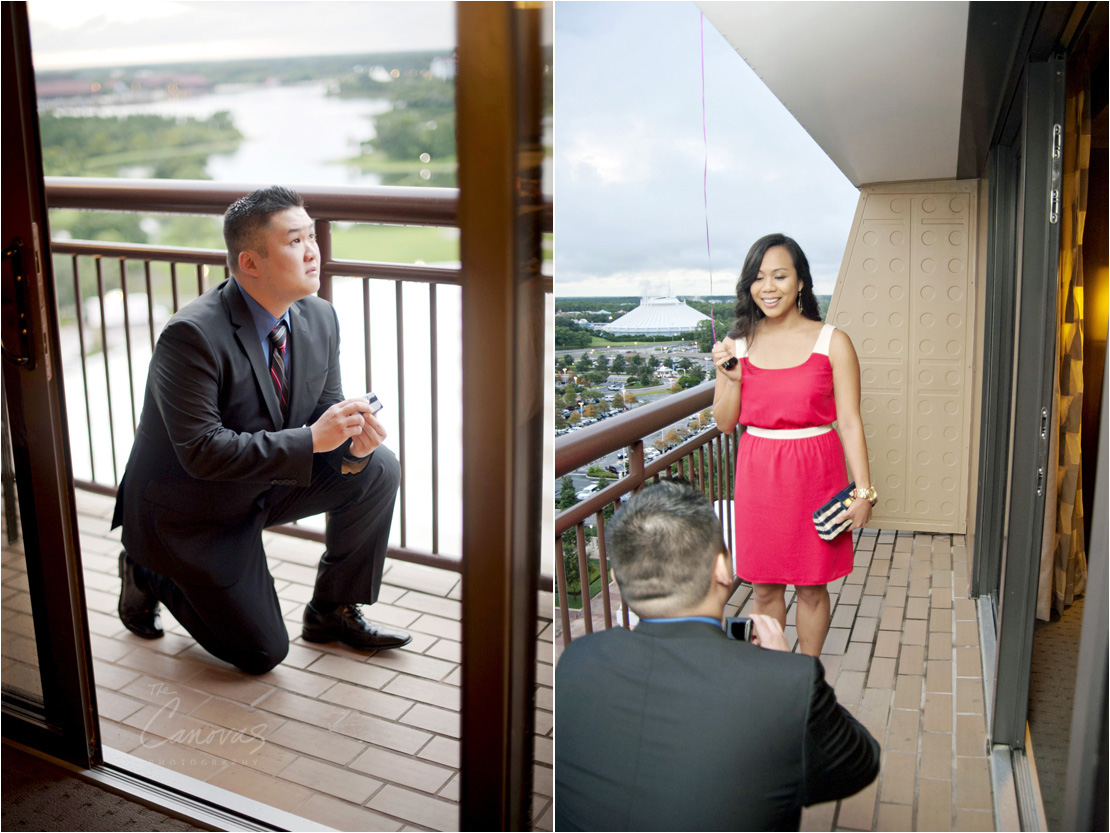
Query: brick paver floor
(350,740)
(903,655)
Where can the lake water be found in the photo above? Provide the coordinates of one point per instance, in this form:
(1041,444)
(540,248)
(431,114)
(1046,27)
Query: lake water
(295,134)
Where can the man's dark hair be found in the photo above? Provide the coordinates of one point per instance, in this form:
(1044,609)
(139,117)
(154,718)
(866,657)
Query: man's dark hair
(663,545)
(248,215)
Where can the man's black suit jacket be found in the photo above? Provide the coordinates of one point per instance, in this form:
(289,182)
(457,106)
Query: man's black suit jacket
(210,442)
(674,726)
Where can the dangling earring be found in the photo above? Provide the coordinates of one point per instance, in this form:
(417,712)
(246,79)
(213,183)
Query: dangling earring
(799,300)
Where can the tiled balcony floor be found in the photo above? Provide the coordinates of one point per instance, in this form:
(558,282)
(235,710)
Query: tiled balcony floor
(903,656)
(350,740)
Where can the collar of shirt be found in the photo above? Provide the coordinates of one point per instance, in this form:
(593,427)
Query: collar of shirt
(707,619)
(263,321)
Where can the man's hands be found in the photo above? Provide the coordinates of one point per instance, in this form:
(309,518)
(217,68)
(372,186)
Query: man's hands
(349,419)
(373,435)
(768,632)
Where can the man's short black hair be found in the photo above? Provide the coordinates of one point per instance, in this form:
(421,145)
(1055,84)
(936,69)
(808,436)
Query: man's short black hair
(663,545)
(248,215)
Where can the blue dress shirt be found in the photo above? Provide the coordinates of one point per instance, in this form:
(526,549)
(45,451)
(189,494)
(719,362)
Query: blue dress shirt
(264,322)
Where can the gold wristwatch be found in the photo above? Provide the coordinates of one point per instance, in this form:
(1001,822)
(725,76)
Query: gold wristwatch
(867,494)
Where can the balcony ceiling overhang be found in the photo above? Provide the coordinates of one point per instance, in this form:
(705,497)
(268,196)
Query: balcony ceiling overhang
(878,85)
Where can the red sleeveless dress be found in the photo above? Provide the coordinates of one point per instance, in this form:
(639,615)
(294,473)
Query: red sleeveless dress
(780,482)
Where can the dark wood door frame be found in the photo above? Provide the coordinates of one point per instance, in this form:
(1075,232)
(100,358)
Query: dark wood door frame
(65,725)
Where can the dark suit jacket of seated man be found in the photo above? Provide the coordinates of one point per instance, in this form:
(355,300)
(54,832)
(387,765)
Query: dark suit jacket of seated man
(229,444)
(674,726)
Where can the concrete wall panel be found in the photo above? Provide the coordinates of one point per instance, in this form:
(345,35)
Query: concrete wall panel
(906,296)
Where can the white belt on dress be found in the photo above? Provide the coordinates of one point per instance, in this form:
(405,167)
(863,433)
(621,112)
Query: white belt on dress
(788,433)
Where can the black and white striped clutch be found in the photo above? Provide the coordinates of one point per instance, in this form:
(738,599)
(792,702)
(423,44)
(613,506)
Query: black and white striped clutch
(823,517)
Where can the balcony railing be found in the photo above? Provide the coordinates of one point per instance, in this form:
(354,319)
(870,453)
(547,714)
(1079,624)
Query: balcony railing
(706,460)
(420,321)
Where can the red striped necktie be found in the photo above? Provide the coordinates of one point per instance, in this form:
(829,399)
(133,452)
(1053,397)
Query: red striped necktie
(277,338)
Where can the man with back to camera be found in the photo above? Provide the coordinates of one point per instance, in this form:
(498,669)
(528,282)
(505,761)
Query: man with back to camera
(674,726)
(244,426)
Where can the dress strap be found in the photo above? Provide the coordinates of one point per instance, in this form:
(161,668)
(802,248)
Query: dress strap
(741,348)
(824,339)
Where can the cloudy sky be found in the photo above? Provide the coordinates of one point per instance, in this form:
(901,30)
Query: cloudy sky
(629,155)
(75,33)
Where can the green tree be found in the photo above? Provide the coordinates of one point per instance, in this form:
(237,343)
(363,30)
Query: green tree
(566,498)
(408,133)
(569,335)
(570,562)
(103,146)
(618,364)
(102,225)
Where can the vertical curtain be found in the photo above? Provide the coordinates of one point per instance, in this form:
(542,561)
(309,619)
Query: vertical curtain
(1063,556)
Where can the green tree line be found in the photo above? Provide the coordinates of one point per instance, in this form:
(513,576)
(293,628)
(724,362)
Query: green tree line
(172,148)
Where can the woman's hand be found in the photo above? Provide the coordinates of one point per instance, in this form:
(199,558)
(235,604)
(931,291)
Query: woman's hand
(722,352)
(859,513)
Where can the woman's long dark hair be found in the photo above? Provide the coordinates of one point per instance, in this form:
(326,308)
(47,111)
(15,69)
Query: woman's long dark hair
(748,314)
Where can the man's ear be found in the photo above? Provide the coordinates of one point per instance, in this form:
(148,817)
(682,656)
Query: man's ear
(722,569)
(248,263)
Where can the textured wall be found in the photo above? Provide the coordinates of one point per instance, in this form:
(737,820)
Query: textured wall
(906,296)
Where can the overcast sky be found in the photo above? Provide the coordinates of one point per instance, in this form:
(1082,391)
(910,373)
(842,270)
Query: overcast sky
(66,34)
(629,216)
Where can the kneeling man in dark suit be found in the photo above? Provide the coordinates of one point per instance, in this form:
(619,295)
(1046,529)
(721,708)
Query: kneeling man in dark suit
(245,426)
(674,726)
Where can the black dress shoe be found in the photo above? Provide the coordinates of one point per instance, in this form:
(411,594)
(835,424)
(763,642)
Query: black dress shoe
(345,624)
(138,607)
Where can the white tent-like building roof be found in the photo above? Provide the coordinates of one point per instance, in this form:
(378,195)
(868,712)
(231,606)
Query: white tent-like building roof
(658,317)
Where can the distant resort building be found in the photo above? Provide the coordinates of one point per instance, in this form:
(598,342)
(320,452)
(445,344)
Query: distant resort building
(665,316)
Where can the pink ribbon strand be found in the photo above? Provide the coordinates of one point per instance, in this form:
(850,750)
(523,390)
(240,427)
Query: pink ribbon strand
(705,178)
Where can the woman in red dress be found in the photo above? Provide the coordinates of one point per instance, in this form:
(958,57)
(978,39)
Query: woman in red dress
(792,378)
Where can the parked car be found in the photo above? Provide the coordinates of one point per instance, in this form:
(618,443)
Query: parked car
(585,493)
